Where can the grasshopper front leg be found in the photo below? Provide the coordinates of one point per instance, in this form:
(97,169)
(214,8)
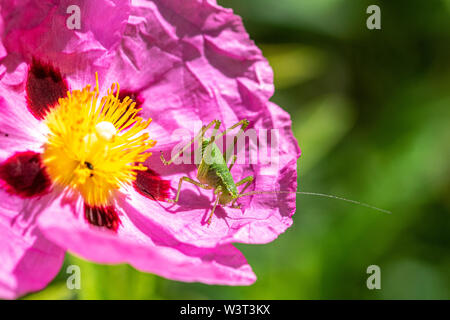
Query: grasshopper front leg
(187,179)
(248,180)
(230,150)
(217,193)
(200,135)
(233,161)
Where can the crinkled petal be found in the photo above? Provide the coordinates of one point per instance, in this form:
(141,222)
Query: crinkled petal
(193,56)
(190,62)
(193,62)
(40,29)
(19,129)
(262,217)
(145,246)
(3,52)
(28,260)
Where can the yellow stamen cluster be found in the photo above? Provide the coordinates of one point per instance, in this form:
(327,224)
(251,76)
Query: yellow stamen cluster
(95,148)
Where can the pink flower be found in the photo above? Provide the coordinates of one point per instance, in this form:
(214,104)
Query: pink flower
(182,62)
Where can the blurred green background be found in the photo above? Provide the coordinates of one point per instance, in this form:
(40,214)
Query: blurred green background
(371,112)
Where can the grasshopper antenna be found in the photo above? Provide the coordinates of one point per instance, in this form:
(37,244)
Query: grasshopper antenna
(318,195)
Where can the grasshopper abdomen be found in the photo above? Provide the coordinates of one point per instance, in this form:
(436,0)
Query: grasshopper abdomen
(213,171)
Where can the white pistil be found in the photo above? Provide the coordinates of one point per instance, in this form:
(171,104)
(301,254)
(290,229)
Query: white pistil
(105,130)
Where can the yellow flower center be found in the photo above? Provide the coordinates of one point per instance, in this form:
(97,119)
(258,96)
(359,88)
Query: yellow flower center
(94,149)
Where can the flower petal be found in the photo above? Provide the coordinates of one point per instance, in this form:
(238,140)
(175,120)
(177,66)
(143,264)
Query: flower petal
(190,61)
(19,129)
(24,175)
(28,260)
(147,247)
(193,56)
(45,85)
(262,217)
(150,184)
(102,216)
(194,61)
(40,29)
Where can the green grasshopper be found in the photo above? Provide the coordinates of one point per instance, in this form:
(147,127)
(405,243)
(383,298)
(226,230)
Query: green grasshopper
(213,173)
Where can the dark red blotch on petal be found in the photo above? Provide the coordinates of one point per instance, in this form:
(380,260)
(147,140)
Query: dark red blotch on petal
(103,216)
(24,175)
(45,85)
(150,184)
(133,95)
